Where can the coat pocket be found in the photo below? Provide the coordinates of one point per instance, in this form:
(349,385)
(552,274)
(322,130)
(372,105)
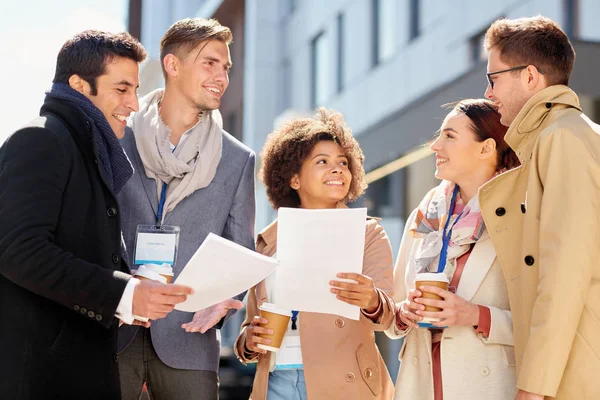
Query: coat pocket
(368,364)
(508,356)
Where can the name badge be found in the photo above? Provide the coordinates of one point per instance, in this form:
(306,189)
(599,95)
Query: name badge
(289,355)
(156,244)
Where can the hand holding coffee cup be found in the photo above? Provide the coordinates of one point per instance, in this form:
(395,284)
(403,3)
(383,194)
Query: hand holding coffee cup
(277,323)
(444,308)
(407,309)
(253,332)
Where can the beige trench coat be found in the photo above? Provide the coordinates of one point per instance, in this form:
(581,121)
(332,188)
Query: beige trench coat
(341,359)
(544,221)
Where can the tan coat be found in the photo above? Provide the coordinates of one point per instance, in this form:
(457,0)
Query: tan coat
(544,221)
(473,367)
(341,359)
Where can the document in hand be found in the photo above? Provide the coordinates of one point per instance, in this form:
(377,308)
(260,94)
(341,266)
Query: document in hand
(313,246)
(219,270)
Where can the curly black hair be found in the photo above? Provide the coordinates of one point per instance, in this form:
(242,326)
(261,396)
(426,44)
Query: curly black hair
(287,147)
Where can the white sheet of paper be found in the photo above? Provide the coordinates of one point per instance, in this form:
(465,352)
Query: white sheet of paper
(221,269)
(313,246)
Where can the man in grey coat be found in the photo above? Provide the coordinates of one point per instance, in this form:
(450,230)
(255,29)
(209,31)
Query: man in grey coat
(190,176)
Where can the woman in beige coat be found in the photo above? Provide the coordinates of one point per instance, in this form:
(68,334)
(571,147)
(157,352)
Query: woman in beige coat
(469,353)
(316,163)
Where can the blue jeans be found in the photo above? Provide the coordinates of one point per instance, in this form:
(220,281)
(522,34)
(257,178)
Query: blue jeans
(287,385)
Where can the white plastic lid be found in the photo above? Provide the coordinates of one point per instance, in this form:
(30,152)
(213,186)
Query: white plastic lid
(272,308)
(162,269)
(432,276)
(149,274)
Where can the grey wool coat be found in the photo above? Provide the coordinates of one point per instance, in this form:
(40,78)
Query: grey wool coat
(225,207)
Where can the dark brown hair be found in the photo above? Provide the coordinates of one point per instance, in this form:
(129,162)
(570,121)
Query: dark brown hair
(88,53)
(287,147)
(485,121)
(185,35)
(536,41)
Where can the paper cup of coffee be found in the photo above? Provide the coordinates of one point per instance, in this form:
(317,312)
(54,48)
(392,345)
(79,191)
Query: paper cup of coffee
(161,273)
(431,279)
(278,322)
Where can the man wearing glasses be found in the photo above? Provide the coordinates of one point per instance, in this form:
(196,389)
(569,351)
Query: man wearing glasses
(543,215)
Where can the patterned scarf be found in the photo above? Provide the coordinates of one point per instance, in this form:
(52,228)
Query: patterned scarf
(429,226)
(114,164)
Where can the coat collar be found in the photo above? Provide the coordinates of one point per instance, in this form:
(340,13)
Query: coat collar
(534,116)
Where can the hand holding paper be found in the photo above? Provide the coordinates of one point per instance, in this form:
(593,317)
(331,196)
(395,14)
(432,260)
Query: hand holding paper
(219,270)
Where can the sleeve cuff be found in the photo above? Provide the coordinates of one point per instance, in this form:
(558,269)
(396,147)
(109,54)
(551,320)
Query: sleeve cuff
(375,315)
(485,321)
(125,307)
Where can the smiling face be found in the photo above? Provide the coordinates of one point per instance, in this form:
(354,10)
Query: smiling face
(324,177)
(509,92)
(116,94)
(458,155)
(202,75)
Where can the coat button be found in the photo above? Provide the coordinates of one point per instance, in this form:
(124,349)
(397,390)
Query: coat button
(115,258)
(548,105)
(111,212)
(340,323)
(500,211)
(115,357)
(485,371)
(529,260)
(368,373)
(91,314)
(98,317)
(88,125)
(523,209)
(350,377)
(83,310)
(414,360)
(76,307)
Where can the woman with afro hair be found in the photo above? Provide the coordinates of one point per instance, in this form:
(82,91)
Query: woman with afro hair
(316,163)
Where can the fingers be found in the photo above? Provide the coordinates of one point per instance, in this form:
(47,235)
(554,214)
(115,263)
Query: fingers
(252,338)
(414,293)
(360,278)
(431,302)
(436,290)
(233,304)
(175,289)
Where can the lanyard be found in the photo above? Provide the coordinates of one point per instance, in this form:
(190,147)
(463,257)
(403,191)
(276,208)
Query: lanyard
(294,319)
(161,204)
(448,233)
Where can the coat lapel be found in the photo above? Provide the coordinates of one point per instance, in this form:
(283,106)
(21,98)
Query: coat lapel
(478,264)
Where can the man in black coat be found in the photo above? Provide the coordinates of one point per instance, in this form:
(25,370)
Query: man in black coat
(64,288)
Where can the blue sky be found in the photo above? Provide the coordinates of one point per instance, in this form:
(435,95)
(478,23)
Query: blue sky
(32,33)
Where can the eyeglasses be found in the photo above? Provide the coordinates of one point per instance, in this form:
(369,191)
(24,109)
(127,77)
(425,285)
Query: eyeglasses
(489,74)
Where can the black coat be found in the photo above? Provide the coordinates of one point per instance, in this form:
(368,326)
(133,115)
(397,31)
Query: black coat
(61,276)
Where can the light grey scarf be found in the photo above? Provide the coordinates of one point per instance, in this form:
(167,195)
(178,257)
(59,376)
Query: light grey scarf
(194,162)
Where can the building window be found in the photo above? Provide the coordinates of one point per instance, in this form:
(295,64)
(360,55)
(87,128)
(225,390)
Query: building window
(383,30)
(320,67)
(340,53)
(414,25)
